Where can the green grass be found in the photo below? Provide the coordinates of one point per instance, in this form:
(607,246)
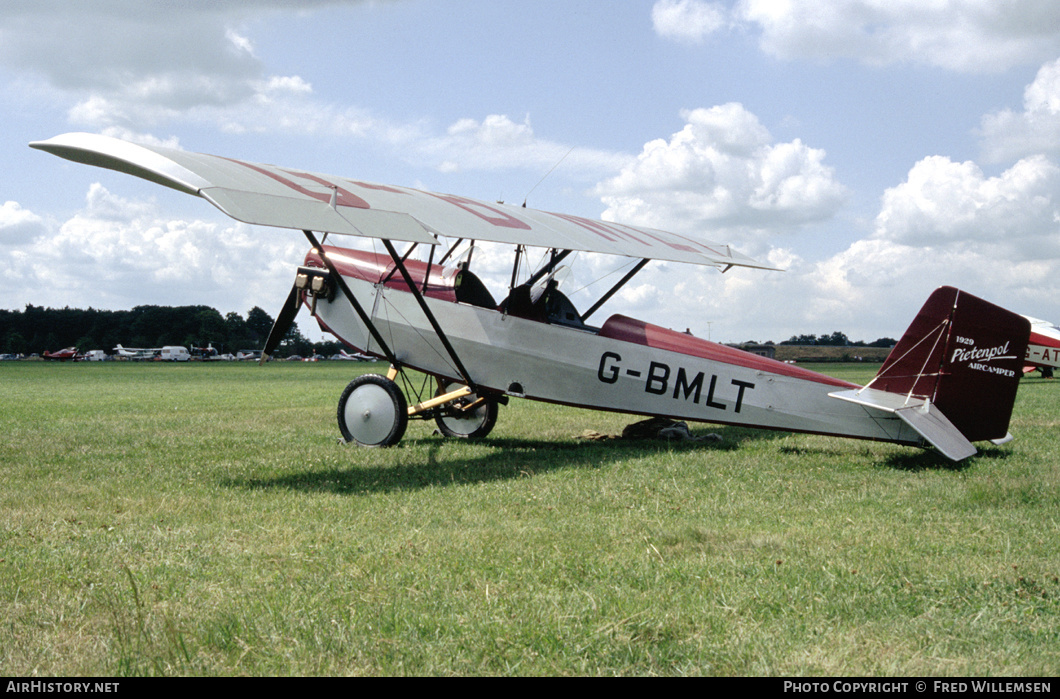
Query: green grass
(204,520)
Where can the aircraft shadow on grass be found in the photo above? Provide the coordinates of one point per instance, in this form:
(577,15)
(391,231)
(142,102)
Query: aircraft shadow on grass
(929,460)
(513,459)
(508,459)
(926,459)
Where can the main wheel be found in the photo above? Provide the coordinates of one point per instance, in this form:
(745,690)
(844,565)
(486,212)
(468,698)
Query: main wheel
(373,411)
(471,424)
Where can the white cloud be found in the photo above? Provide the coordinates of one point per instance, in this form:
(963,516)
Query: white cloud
(1006,135)
(141,65)
(946,224)
(496,130)
(961,35)
(497,143)
(687,20)
(130,68)
(239,42)
(124,253)
(285,84)
(1011,217)
(137,70)
(722,170)
(17,225)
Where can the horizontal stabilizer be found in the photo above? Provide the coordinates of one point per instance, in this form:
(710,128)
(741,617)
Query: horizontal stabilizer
(920,414)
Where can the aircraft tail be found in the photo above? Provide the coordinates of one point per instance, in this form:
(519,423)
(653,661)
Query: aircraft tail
(953,376)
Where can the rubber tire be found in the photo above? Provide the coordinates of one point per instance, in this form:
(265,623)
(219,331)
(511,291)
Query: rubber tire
(478,426)
(373,412)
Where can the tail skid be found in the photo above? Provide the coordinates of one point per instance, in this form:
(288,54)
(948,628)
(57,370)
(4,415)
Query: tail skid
(953,376)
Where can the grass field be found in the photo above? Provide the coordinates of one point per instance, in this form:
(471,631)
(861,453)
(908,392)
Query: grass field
(204,520)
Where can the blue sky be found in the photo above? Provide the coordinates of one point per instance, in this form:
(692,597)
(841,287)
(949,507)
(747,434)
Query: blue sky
(875,149)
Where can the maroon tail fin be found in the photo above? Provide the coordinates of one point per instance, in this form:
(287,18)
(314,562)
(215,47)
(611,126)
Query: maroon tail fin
(965,355)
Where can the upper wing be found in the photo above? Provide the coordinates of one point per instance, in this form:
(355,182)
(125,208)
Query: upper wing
(274,196)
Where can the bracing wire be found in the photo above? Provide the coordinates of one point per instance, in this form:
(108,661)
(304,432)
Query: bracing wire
(527,197)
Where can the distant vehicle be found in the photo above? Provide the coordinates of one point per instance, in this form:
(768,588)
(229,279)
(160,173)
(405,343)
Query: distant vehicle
(95,356)
(63,355)
(204,353)
(172,353)
(248,354)
(9,357)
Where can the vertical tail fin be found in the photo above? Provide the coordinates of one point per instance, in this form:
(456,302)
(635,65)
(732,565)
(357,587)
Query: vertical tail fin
(964,356)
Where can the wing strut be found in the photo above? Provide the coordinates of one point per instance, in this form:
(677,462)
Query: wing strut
(365,318)
(554,259)
(404,257)
(515,268)
(452,250)
(430,316)
(613,290)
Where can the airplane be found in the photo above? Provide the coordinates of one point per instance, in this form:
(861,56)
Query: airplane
(949,382)
(169,353)
(137,352)
(343,355)
(1043,349)
(63,355)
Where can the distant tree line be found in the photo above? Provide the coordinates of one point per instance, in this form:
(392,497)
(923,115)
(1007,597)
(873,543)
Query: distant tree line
(837,339)
(37,329)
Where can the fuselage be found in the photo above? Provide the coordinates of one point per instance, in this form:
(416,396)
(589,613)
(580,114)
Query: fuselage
(624,365)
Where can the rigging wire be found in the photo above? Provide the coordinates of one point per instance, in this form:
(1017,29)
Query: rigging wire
(527,197)
(612,273)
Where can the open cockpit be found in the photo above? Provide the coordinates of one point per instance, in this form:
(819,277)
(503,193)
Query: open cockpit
(538,299)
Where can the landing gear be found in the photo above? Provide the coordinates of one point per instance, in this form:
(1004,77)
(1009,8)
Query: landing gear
(469,417)
(373,411)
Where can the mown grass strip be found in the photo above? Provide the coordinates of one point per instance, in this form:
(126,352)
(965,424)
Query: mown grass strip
(204,520)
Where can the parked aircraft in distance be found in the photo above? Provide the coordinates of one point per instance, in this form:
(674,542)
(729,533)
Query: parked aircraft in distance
(137,352)
(63,355)
(1043,349)
(355,357)
(950,381)
(169,353)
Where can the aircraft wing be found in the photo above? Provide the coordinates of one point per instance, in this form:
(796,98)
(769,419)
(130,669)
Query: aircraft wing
(275,196)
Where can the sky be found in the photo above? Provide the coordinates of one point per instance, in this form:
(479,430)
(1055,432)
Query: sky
(872,149)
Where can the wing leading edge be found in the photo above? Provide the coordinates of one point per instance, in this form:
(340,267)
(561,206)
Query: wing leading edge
(273,196)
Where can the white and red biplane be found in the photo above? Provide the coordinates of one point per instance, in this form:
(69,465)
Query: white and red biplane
(949,382)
